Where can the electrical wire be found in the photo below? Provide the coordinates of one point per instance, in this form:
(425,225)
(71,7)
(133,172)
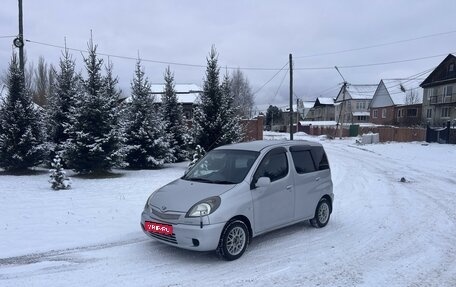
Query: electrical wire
(373,64)
(376,45)
(153,61)
(268,81)
(281,82)
(2,37)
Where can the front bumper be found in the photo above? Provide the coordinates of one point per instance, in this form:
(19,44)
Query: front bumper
(187,236)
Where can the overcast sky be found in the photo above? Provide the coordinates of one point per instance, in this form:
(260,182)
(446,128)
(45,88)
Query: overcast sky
(247,34)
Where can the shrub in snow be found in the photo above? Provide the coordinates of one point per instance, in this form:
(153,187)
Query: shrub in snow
(199,153)
(58,180)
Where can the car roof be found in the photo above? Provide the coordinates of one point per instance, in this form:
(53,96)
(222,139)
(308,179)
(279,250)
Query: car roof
(262,144)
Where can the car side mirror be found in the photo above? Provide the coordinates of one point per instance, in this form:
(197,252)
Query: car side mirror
(263,182)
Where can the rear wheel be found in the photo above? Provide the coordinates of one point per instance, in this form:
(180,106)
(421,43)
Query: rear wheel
(233,241)
(322,214)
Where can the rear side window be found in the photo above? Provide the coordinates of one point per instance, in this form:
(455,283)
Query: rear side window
(274,165)
(303,161)
(324,164)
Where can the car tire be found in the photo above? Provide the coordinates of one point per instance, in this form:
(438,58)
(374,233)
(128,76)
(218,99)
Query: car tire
(322,214)
(233,241)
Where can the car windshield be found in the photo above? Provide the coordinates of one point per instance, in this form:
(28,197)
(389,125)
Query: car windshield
(222,166)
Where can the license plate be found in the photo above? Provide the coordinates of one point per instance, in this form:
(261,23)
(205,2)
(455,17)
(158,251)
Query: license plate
(158,228)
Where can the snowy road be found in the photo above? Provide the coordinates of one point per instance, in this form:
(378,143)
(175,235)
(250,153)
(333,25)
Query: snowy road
(383,232)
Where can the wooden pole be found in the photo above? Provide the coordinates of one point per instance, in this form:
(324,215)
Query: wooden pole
(291,96)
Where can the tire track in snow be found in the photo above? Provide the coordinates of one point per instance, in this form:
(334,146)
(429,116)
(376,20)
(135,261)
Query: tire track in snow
(61,255)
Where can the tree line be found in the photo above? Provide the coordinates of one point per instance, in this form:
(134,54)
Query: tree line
(81,119)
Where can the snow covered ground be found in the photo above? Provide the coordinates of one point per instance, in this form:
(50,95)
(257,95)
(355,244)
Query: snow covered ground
(382,232)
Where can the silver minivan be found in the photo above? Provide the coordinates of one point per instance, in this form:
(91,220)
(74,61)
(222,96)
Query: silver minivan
(239,191)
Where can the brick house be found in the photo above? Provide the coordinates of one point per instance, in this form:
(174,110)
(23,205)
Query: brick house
(439,101)
(396,104)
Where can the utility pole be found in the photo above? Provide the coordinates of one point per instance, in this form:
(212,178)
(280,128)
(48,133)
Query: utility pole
(340,121)
(20,42)
(291,96)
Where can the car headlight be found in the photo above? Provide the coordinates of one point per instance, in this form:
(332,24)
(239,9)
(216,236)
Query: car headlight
(204,207)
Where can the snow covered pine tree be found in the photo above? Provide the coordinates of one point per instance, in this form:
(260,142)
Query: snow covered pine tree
(94,143)
(58,178)
(173,117)
(214,122)
(21,136)
(146,141)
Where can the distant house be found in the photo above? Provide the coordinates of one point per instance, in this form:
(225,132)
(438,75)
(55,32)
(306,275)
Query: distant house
(352,103)
(187,95)
(323,110)
(439,100)
(396,104)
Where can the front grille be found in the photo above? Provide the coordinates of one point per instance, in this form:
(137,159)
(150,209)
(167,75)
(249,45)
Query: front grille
(167,238)
(168,216)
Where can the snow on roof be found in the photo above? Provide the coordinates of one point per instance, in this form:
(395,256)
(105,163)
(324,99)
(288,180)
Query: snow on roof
(361,92)
(318,123)
(186,93)
(308,104)
(360,114)
(325,101)
(398,89)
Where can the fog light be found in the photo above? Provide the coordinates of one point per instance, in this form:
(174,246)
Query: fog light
(195,242)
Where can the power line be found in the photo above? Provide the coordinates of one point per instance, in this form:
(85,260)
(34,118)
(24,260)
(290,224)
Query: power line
(150,60)
(281,82)
(268,81)
(2,37)
(376,45)
(373,64)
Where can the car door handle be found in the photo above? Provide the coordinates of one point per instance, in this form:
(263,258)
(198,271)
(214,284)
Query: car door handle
(317,179)
(289,187)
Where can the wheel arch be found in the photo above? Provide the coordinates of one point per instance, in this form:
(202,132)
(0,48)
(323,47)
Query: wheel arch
(243,219)
(329,199)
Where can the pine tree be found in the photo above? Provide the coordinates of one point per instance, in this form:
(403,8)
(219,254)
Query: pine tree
(58,178)
(173,117)
(62,100)
(212,122)
(232,129)
(147,143)
(94,144)
(21,136)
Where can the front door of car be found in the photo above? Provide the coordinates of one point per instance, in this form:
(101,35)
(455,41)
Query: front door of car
(273,203)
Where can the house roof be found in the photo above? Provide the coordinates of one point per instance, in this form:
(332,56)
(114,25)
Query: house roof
(186,93)
(441,74)
(357,92)
(398,89)
(320,101)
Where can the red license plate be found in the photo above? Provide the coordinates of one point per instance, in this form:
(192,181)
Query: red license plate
(158,228)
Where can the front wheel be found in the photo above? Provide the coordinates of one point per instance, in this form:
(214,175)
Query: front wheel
(233,241)
(322,214)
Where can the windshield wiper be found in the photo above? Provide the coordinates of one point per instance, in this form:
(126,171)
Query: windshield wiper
(223,182)
(199,179)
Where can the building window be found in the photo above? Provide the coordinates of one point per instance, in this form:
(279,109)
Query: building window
(412,113)
(375,114)
(445,112)
(429,113)
(400,113)
(383,113)
(451,67)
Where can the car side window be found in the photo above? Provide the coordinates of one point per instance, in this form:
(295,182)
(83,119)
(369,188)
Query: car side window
(303,161)
(274,165)
(324,164)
